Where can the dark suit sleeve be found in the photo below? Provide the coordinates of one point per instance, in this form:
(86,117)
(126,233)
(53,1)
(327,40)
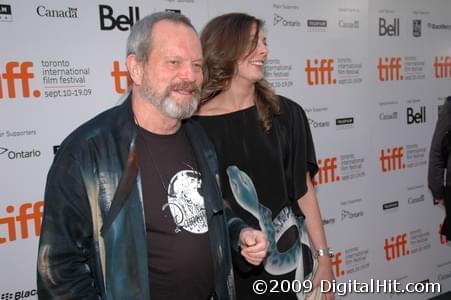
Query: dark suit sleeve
(437,159)
(235,225)
(65,246)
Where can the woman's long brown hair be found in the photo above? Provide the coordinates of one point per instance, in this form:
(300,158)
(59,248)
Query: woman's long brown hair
(224,41)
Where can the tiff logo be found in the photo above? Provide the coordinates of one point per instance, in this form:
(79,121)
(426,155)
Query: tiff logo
(326,172)
(27,212)
(119,77)
(442,67)
(122,22)
(388,29)
(337,264)
(18,71)
(389,68)
(395,247)
(320,71)
(416,117)
(391,159)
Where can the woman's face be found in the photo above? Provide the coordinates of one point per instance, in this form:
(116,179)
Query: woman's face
(251,65)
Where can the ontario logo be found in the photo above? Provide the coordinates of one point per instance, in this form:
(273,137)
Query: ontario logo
(21,154)
(279,20)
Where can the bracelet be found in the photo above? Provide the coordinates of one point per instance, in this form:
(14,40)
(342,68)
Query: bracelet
(324,252)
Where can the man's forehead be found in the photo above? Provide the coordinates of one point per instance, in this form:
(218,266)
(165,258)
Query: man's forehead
(166,37)
(163,26)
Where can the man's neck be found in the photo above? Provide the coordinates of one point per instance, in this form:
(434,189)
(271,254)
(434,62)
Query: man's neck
(151,118)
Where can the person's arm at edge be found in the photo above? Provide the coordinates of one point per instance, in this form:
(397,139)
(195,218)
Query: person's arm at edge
(308,204)
(66,238)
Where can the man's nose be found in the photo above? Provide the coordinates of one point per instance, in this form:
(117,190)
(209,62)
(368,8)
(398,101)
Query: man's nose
(191,73)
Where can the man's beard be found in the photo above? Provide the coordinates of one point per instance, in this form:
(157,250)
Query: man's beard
(168,105)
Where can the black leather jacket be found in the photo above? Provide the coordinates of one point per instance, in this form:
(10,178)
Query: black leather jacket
(93,239)
(440,162)
(438,156)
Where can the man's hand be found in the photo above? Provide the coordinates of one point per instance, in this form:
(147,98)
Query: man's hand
(254,245)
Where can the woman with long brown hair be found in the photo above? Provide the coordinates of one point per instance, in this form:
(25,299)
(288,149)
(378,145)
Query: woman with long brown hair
(266,157)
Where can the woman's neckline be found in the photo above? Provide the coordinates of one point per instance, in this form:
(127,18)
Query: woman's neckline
(227,113)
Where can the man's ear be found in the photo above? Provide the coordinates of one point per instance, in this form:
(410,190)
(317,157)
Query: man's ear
(135,69)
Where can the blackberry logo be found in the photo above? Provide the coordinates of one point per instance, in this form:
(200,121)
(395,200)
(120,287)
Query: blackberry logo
(7,296)
(24,294)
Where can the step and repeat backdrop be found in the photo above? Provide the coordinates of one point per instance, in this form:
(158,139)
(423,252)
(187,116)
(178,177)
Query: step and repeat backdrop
(370,74)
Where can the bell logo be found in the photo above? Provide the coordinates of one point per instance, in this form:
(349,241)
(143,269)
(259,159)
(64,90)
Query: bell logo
(391,159)
(326,172)
(119,77)
(122,22)
(320,71)
(395,247)
(16,71)
(389,69)
(337,264)
(442,67)
(27,212)
(388,29)
(416,117)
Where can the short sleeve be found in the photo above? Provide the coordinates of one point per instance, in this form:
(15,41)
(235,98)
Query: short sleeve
(298,150)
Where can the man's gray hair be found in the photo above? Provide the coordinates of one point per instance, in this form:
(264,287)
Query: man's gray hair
(139,41)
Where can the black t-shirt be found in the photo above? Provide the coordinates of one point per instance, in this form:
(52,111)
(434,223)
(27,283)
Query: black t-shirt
(262,176)
(180,264)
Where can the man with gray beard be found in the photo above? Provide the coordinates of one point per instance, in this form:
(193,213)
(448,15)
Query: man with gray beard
(132,206)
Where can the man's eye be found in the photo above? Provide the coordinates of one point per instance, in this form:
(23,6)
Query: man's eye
(174,62)
(197,66)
